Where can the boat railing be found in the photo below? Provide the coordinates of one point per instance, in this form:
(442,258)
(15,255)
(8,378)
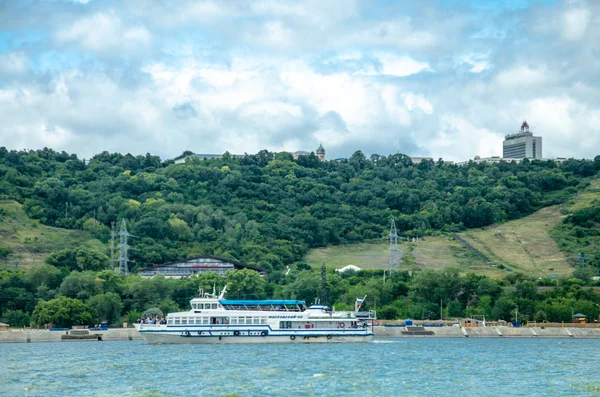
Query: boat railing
(149,325)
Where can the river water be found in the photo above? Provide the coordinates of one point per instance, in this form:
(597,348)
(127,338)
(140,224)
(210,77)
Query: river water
(399,367)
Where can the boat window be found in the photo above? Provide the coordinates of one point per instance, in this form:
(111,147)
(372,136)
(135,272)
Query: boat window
(263,320)
(198,320)
(234,320)
(214,306)
(248,320)
(256,320)
(204,320)
(177,321)
(194,306)
(285,324)
(184,321)
(170,321)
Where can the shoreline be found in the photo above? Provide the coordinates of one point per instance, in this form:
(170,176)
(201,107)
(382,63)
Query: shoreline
(44,335)
(487,332)
(122,334)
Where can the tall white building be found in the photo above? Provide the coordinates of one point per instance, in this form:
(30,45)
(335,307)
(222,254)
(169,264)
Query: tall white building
(522,144)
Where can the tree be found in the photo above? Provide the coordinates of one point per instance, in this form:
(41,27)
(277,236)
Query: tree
(16,318)
(82,285)
(153,312)
(43,274)
(91,259)
(63,312)
(245,284)
(180,229)
(82,258)
(108,306)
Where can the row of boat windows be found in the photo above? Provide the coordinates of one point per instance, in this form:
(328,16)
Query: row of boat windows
(205,306)
(264,308)
(223,320)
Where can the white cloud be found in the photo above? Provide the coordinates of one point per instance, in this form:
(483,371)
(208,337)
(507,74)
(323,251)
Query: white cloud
(522,76)
(415,101)
(209,75)
(104,31)
(398,33)
(402,66)
(275,33)
(13,63)
(575,23)
(477,62)
(458,139)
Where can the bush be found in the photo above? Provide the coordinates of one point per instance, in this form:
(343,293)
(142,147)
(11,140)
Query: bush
(153,312)
(16,318)
(5,251)
(63,312)
(133,316)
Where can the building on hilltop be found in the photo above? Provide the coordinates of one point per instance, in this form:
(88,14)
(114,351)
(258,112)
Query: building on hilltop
(417,160)
(320,153)
(181,160)
(498,159)
(192,266)
(522,144)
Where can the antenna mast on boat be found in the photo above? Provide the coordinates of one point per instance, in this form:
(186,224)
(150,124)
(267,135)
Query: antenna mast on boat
(222,294)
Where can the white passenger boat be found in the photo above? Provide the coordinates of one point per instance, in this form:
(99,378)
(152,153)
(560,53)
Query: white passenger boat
(213,319)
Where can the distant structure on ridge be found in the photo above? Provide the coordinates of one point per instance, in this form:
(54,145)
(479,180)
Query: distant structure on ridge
(196,265)
(181,160)
(320,153)
(522,144)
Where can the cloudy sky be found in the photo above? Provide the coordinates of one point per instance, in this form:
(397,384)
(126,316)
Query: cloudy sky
(445,78)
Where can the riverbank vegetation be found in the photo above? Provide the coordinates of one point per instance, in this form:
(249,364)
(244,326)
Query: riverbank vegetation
(269,210)
(47,294)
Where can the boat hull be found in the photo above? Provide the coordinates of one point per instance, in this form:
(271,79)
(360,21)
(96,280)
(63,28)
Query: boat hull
(155,338)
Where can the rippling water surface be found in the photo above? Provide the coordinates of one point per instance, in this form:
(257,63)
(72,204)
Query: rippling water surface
(400,367)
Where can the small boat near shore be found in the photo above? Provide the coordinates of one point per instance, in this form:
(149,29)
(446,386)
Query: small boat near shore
(213,319)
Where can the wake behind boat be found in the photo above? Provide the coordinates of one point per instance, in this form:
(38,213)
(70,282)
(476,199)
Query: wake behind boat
(213,319)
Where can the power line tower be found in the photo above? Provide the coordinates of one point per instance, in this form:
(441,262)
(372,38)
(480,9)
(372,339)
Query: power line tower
(123,249)
(112,246)
(323,284)
(394,263)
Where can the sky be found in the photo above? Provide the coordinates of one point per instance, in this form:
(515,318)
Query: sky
(438,78)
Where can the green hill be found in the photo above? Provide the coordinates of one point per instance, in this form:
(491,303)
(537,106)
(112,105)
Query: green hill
(530,245)
(27,242)
(269,209)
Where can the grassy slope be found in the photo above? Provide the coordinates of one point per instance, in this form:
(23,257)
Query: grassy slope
(432,252)
(522,245)
(31,241)
(564,234)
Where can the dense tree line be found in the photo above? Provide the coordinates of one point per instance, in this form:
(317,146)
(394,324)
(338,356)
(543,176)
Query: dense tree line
(47,294)
(268,209)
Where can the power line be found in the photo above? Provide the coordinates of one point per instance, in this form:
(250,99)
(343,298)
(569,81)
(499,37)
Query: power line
(123,249)
(112,246)
(394,263)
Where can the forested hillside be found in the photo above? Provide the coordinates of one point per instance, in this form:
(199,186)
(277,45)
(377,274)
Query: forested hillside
(269,210)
